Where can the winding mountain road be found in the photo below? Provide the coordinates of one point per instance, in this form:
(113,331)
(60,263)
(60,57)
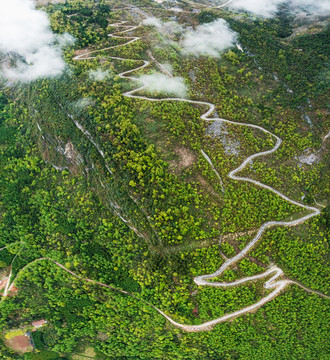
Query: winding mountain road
(274,273)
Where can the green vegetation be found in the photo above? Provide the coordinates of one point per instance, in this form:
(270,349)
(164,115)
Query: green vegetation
(117,190)
(14,333)
(44,355)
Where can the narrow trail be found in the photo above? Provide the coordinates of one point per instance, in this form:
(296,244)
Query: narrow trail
(272,273)
(9,284)
(215,171)
(223,5)
(161,67)
(12,244)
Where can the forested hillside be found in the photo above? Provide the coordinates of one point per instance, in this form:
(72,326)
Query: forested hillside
(113,206)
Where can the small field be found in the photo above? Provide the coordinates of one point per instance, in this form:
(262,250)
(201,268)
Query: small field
(19,343)
(88,352)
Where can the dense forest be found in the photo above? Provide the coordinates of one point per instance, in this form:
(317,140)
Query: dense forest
(110,205)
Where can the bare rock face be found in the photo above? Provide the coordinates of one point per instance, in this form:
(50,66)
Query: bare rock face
(71,154)
(219,130)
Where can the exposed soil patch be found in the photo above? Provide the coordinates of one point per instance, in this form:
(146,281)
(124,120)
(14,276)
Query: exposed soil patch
(102,336)
(19,344)
(234,236)
(82,52)
(185,159)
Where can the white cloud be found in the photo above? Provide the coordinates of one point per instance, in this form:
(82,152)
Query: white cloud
(99,74)
(65,39)
(209,39)
(161,83)
(152,21)
(83,103)
(268,8)
(264,8)
(25,34)
(168,27)
(321,7)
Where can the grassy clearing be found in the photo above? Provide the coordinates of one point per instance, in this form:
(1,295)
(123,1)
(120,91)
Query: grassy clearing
(14,333)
